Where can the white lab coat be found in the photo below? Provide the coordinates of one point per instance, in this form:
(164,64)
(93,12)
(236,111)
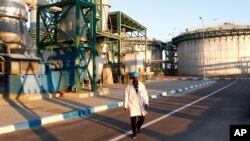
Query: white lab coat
(136,102)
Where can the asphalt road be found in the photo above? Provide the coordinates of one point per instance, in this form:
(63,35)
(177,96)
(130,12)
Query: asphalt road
(202,115)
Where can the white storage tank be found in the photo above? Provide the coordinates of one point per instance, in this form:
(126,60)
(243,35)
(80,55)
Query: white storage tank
(216,51)
(134,62)
(103,7)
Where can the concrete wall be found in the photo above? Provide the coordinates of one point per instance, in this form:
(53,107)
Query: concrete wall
(226,55)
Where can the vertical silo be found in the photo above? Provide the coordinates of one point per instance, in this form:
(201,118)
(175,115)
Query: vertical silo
(13,32)
(102,10)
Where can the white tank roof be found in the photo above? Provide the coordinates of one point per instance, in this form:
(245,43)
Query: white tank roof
(225,26)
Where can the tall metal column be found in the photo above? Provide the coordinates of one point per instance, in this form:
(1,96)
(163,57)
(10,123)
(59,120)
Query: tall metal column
(146,47)
(119,44)
(77,45)
(93,36)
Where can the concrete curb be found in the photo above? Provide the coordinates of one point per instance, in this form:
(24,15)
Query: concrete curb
(87,111)
(201,78)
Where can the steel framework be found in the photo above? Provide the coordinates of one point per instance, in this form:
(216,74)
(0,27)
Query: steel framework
(49,40)
(170,52)
(126,32)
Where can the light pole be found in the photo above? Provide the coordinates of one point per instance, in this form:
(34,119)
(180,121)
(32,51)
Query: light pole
(173,32)
(215,21)
(170,37)
(204,66)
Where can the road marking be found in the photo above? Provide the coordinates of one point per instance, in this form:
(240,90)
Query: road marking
(173,112)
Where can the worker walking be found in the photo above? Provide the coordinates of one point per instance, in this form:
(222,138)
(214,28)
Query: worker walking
(136,100)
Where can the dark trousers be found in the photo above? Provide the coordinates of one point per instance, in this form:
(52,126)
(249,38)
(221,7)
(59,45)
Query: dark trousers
(136,124)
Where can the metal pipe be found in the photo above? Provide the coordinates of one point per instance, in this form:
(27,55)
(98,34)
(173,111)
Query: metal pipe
(6,47)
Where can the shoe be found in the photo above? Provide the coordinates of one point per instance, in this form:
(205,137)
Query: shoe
(134,136)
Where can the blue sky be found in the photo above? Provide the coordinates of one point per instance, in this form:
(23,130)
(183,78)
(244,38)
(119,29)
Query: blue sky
(167,18)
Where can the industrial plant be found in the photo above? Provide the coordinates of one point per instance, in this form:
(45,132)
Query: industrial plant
(71,46)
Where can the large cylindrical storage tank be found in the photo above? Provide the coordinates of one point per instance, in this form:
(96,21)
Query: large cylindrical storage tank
(13,31)
(216,51)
